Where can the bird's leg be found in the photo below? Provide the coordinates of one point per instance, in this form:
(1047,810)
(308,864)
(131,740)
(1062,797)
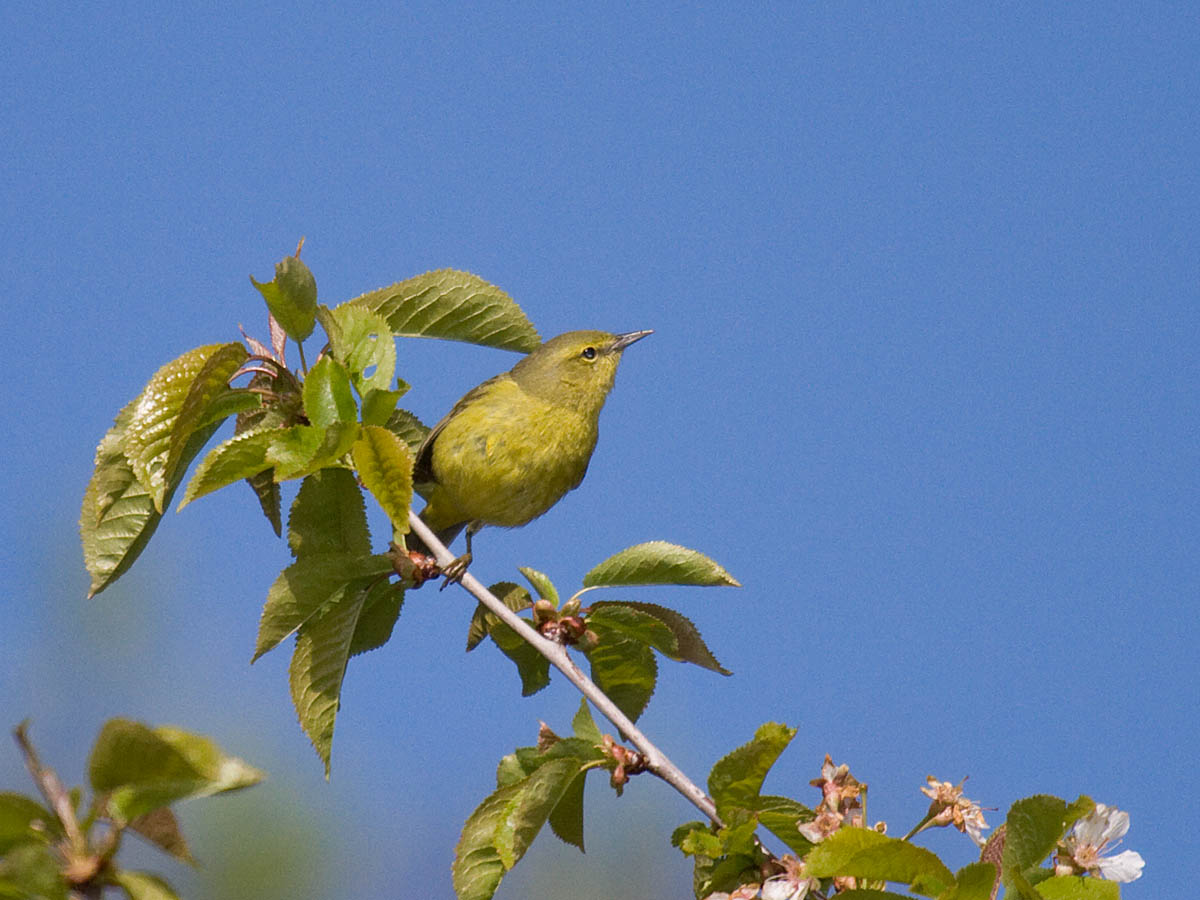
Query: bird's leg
(456,569)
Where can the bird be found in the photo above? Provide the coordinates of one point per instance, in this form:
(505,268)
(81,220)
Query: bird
(512,447)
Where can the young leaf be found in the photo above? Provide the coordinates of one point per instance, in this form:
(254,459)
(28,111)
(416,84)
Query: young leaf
(541,583)
(688,645)
(33,871)
(512,595)
(24,821)
(143,768)
(781,816)
(379,406)
(319,665)
(658,562)
(1076,887)
(408,428)
(305,589)
(304,449)
(453,305)
(864,853)
(584,726)
(502,827)
(242,456)
(736,780)
(327,397)
(973,882)
(1033,829)
(385,465)
(625,670)
(362,340)
(207,400)
(153,443)
(291,297)
(328,516)
(143,885)
(161,828)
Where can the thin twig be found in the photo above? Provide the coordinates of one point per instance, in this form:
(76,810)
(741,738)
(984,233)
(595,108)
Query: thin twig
(656,761)
(57,797)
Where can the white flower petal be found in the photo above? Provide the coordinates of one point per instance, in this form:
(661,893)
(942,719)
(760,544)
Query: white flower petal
(1124,866)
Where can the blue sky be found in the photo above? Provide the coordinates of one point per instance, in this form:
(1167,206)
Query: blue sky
(924,377)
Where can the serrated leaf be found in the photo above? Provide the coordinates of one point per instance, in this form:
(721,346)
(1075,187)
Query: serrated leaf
(625,670)
(242,456)
(865,853)
(1076,887)
(151,434)
(318,668)
(408,428)
(623,619)
(566,819)
(584,726)
(455,306)
(303,449)
(735,782)
(533,668)
(697,840)
(511,595)
(781,816)
(362,340)
(379,406)
(143,885)
(381,609)
(291,297)
(25,821)
(541,583)
(231,402)
(658,562)
(502,827)
(118,517)
(688,645)
(328,516)
(385,465)
(327,397)
(1034,827)
(161,828)
(973,882)
(308,587)
(143,768)
(206,401)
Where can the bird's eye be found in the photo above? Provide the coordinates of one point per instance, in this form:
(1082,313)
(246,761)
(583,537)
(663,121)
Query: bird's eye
(589,353)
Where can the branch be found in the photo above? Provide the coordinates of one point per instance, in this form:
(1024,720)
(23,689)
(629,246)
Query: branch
(656,761)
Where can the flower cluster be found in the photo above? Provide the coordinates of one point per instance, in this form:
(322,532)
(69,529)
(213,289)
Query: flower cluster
(950,807)
(1082,850)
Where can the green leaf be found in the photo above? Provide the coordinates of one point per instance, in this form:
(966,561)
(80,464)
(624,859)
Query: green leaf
(32,871)
(871,894)
(566,819)
(408,428)
(453,305)
(533,668)
(143,768)
(624,669)
(658,562)
(973,882)
(231,402)
(684,645)
(634,624)
(158,431)
(291,297)
(1076,887)
(308,587)
(143,885)
(318,667)
(24,821)
(328,516)
(118,515)
(381,609)
(584,725)
(207,401)
(362,340)
(696,839)
(511,595)
(303,449)
(1034,827)
(327,397)
(379,406)
(781,816)
(242,456)
(864,853)
(503,826)
(161,828)
(385,465)
(275,415)
(541,583)
(735,782)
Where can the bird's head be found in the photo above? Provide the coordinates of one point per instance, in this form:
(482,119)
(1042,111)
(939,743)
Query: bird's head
(575,369)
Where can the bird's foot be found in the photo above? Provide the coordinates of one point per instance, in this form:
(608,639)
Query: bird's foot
(455,571)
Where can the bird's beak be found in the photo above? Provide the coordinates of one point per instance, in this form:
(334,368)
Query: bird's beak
(624,340)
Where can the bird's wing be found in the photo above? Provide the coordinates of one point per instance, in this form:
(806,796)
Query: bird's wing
(423,467)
